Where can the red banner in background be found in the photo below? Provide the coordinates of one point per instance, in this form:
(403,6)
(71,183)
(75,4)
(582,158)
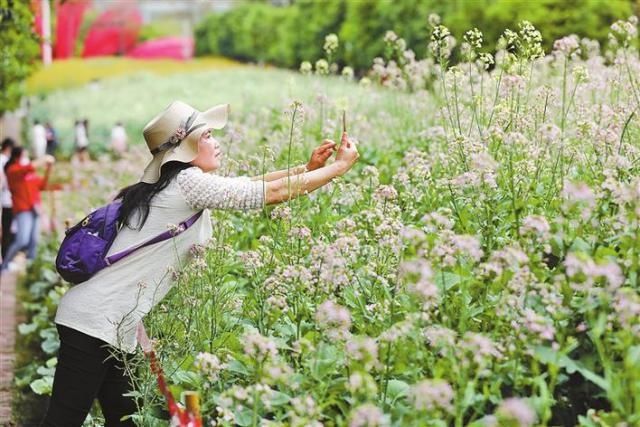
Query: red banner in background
(114,32)
(37,16)
(69,15)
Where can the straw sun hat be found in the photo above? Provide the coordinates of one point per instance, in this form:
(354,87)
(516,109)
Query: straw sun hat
(174,134)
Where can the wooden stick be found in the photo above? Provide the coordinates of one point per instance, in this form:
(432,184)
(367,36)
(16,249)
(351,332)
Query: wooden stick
(192,401)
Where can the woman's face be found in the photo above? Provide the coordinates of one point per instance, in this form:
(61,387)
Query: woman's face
(209,153)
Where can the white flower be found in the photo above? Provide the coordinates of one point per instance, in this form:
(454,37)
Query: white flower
(322,67)
(347,72)
(306,67)
(330,43)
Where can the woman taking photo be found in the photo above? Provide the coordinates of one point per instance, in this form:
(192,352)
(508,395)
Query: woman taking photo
(105,311)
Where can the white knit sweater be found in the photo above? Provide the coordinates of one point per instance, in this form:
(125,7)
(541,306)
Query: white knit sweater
(110,305)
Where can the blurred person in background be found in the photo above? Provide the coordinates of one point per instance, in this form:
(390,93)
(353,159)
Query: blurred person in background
(5,197)
(118,139)
(81,139)
(52,140)
(25,185)
(38,140)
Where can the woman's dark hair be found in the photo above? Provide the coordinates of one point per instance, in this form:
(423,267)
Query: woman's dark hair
(8,143)
(16,153)
(137,197)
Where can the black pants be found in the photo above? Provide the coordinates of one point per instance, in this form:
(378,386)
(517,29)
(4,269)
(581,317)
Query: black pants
(86,370)
(7,236)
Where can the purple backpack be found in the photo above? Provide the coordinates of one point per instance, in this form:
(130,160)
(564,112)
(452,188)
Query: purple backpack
(83,251)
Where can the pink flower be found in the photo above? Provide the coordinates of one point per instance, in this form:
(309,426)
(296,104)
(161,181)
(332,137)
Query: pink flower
(578,193)
(536,225)
(439,336)
(430,395)
(178,135)
(385,192)
(626,304)
(368,415)
(481,348)
(467,245)
(335,318)
(539,325)
(259,347)
(517,410)
(210,365)
(364,350)
(567,45)
(302,233)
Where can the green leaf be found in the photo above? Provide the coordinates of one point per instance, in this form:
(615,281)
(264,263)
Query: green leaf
(49,333)
(325,361)
(573,366)
(50,345)
(50,275)
(397,389)
(550,356)
(580,245)
(187,378)
(39,288)
(278,398)
(546,355)
(238,367)
(244,416)
(27,328)
(633,357)
(46,372)
(42,386)
(447,280)
(469,395)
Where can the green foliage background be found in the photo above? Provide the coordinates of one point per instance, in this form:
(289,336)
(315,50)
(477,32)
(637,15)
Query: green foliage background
(18,51)
(286,36)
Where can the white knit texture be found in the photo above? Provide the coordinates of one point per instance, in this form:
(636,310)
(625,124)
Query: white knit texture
(202,190)
(110,305)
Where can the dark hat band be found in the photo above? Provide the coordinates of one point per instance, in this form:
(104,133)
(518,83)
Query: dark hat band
(180,134)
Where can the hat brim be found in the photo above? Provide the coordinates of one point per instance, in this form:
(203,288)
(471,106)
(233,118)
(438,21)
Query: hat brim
(213,118)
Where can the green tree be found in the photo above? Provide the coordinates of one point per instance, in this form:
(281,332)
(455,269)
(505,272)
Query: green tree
(18,51)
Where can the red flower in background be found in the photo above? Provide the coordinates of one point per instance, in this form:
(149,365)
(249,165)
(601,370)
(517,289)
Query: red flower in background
(114,32)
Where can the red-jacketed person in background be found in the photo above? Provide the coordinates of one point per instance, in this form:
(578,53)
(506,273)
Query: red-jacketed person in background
(25,186)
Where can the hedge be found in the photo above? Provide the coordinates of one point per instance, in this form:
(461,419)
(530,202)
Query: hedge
(286,36)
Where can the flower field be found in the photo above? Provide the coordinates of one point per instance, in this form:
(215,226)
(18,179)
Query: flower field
(479,267)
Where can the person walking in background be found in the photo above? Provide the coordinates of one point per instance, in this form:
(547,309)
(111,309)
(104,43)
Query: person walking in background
(81,139)
(5,197)
(39,140)
(52,140)
(25,186)
(118,139)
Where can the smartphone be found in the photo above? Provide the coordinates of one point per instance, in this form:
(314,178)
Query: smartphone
(344,121)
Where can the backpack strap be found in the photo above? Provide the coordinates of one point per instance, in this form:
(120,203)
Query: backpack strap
(183,226)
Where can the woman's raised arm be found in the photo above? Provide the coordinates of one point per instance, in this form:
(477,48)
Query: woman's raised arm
(290,187)
(272,176)
(319,157)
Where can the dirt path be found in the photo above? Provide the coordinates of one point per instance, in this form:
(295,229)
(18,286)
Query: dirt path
(7,341)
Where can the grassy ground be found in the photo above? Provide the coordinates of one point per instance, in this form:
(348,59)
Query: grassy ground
(259,93)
